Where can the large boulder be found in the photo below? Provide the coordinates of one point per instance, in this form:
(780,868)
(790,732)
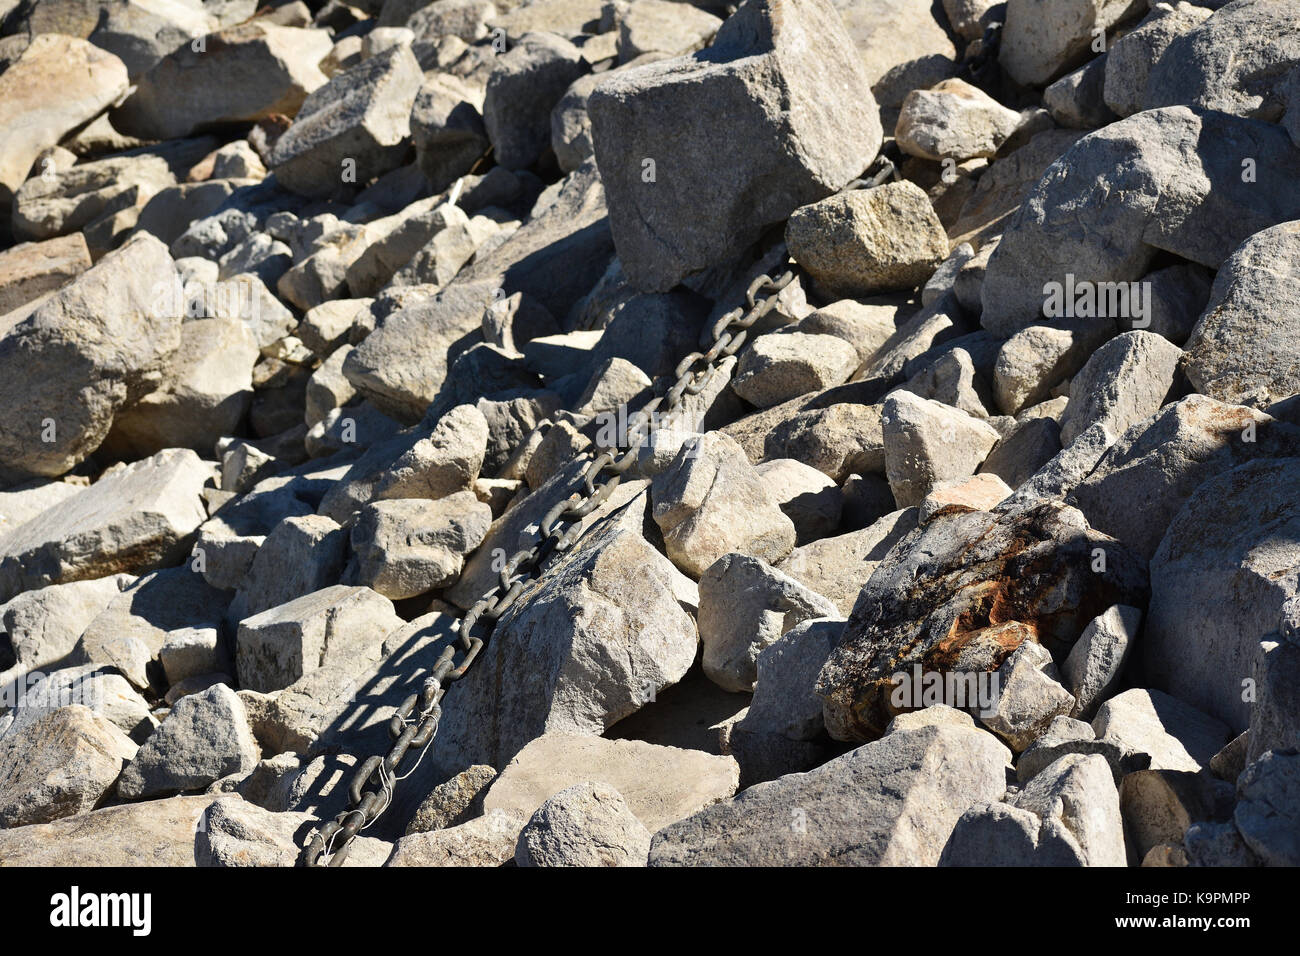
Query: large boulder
(153,833)
(1226,576)
(892,802)
(100,343)
(784,129)
(1148,183)
(242,74)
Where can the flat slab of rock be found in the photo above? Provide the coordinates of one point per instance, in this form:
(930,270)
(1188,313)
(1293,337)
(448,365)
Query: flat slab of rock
(153,833)
(660,784)
(488,840)
(683,218)
(133,519)
(840,567)
(31,269)
(892,802)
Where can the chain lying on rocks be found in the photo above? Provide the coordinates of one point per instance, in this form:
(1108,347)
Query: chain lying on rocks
(415,722)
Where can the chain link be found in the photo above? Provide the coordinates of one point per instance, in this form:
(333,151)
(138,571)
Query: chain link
(415,722)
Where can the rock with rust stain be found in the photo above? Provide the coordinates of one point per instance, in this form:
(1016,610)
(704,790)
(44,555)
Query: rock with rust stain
(959,595)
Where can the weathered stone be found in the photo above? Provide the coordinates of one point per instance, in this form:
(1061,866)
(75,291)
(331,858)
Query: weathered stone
(361,115)
(588,824)
(234,832)
(953,120)
(810,499)
(204,738)
(745,606)
(779,367)
(454,802)
(30,270)
(1130,58)
(1241,351)
(1160,805)
(88,80)
(445,462)
(488,840)
(784,699)
(927,442)
(866,326)
(602,632)
(976,493)
(242,74)
(153,833)
(280,645)
(820,132)
(1162,192)
(1174,735)
(710,501)
(101,689)
(1225,576)
(903,45)
(406,547)
(840,567)
(1002,834)
(44,625)
(1044,38)
(1077,100)
(133,519)
(60,765)
(958,595)
(892,802)
(1027,697)
(1064,736)
(1123,382)
(525,85)
(95,346)
(1093,666)
(1036,359)
(1266,811)
(868,240)
(301,555)
(1079,793)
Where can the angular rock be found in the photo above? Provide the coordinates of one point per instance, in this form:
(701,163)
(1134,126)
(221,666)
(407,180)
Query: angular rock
(1077,100)
(1266,810)
(1002,834)
(927,442)
(807,497)
(457,801)
(868,240)
(953,120)
(100,343)
(301,555)
(153,833)
(525,85)
(588,824)
(406,547)
(1027,697)
(133,519)
(1174,735)
(1042,40)
(29,270)
(745,606)
(1240,351)
(660,784)
(1126,380)
(234,832)
(840,567)
(44,625)
(825,107)
(1225,576)
(447,128)
(60,765)
(1036,359)
(892,802)
(243,73)
(352,129)
(1130,58)
(710,501)
(779,367)
(1078,792)
(903,45)
(488,840)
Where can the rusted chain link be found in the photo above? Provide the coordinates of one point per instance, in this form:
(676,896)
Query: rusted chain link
(415,723)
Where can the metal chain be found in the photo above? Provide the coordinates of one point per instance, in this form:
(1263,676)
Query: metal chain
(371,789)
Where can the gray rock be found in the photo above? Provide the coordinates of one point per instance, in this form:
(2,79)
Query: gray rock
(1160,805)
(1079,793)
(1130,59)
(588,824)
(1066,469)
(454,802)
(1027,697)
(43,626)
(660,784)
(526,84)
(1001,834)
(233,832)
(30,269)
(1174,735)
(353,128)
(1077,100)
(1065,735)
(278,646)
(59,765)
(1123,382)
(1266,809)
(784,700)
(445,462)
(601,633)
(406,547)
(1163,460)
(865,326)
(134,518)
(488,840)
(661,26)
(903,45)
(98,344)
(745,606)
(810,499)
(1273,719)
(1217,844)
(868,240)
(1219,586)
(710,501)
(1036,359)
(153,833)
(101,689)
(204,738)
(929,605)
(1234,62)
(1040,41)
(1115,242)
(892,802)
(927,442)
(1241,351)
(776,368)
(840,567)
(822,133)
(447,128)
(1030,444)
(1094,665)
(244,73)
(301,555)
(953,120)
